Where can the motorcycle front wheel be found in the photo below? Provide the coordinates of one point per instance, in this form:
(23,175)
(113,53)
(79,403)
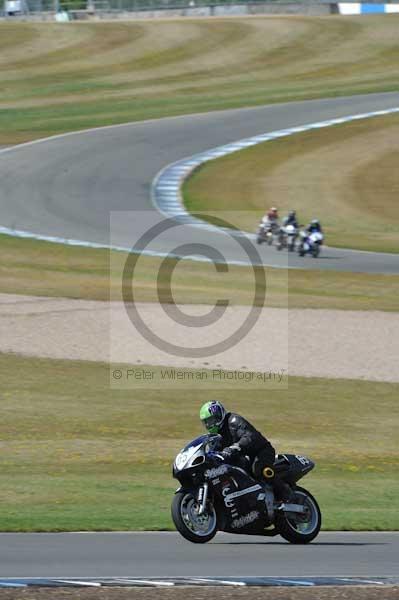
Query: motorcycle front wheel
(300,528)
(196,528)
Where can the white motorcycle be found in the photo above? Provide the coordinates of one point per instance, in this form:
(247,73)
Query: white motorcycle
(287,237)
(266,232)
(310,243)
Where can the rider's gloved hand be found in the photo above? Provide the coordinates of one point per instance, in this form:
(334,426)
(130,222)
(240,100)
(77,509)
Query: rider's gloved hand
(231,451)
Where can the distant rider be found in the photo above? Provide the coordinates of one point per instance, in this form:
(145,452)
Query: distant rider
(240,439)
(291,219)
(271,216)
(313,226)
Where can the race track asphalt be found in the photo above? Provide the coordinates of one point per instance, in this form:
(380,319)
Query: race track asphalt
(67,186)
(166,554)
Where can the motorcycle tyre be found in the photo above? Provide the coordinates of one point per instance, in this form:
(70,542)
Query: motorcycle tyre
(181,526)
(316,252)
(294,537)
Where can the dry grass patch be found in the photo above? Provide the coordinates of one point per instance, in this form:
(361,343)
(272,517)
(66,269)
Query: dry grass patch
(57,78)
(345,175)
(78,455)
(44,269)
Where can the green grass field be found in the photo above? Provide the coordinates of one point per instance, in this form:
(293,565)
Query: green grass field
(345,175)
(62,77)
(77,455)
(45,269)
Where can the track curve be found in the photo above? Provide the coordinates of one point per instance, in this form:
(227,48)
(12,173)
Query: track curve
(67,186)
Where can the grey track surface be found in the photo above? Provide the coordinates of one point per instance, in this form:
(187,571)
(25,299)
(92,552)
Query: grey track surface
(169,555)
(67,186)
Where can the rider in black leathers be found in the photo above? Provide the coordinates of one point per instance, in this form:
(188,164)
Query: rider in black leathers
(240,439)
(291,219)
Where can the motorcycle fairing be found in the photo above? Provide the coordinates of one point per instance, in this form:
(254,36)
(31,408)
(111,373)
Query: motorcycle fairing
(292,467)
(240,501)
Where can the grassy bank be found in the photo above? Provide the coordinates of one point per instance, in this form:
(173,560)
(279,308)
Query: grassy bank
(58,78)
(77,455)
(42,268)
(345,175)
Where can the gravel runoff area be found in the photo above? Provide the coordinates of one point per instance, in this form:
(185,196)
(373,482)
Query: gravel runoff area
(311,343)
(186,593)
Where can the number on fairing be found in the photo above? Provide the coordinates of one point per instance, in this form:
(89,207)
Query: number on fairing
(303,460)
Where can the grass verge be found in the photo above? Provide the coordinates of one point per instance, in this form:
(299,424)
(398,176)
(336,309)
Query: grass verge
(345,175)
(42,268)
(58,78)
(78,456)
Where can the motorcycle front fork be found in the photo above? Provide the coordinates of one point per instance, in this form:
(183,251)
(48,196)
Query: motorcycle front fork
(202,498)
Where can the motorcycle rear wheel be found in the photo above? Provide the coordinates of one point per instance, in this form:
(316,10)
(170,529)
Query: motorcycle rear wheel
(196,528)
(297,530)
(315,251)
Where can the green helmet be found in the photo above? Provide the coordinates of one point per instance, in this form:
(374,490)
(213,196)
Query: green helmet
(212,415)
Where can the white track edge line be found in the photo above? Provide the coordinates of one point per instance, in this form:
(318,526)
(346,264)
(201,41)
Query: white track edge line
(188,165)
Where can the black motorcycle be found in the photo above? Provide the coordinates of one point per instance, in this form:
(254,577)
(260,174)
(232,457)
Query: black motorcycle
(217,496)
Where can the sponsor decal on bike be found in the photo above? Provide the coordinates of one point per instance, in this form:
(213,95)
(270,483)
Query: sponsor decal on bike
(216,472)
(229,497)
(245,520)
(229,501)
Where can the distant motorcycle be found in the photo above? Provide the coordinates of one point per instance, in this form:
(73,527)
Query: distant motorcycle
(287,237)
(217,496)
(310,243)
(266,232)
